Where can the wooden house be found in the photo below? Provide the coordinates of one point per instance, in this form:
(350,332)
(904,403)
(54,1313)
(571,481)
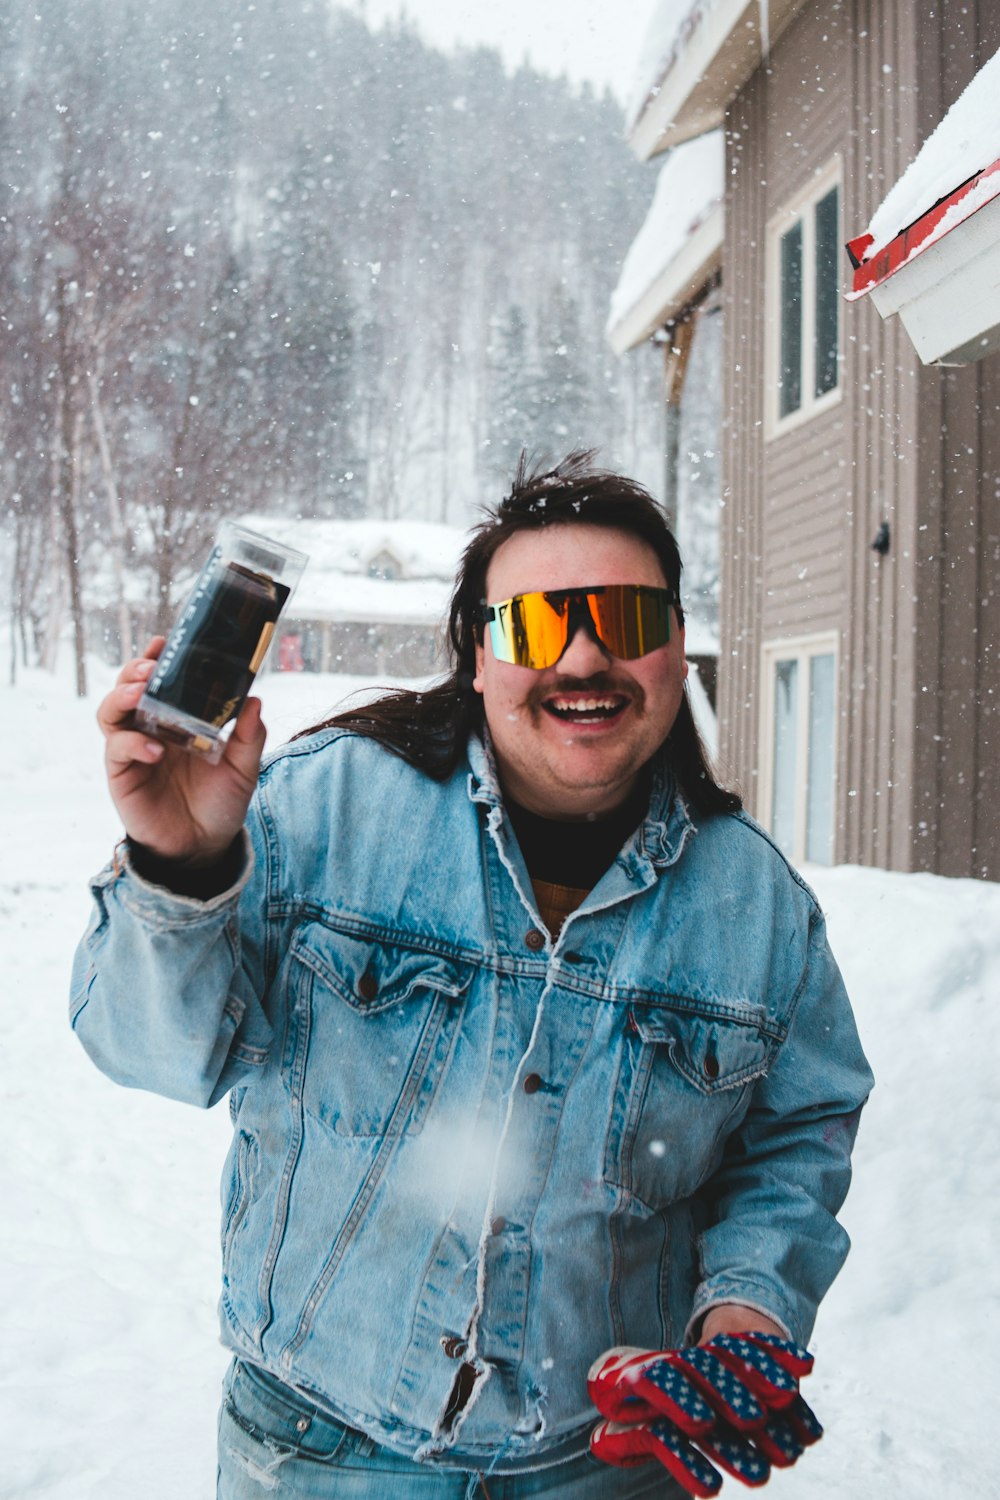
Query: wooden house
(859,682)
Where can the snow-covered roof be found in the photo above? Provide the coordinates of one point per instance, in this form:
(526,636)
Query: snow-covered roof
(930,252)
(955,173)
(660,45)
(696,55)
(965,142)
(328,595)
(424,549)
(678,246)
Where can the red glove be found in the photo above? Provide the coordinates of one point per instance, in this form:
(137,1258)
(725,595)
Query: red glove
(736,1398)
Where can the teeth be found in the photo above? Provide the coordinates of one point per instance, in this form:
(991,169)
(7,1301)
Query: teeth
(580,705)
(566,707)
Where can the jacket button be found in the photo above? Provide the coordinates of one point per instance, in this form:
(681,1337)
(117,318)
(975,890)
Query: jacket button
(711,1066)
(368,986)
(499,1225)
(534,939)
(453,1347)
(532,1083)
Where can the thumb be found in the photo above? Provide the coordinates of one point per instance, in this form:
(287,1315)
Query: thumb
(245,745)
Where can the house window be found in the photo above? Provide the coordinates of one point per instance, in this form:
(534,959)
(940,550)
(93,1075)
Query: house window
(798,747)
(804,322)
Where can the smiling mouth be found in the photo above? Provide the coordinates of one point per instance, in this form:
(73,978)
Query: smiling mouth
(590,709)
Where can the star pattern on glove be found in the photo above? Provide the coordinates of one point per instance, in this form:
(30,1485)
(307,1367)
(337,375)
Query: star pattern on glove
(732,1404)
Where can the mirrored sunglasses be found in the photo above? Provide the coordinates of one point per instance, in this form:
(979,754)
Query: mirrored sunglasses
(533,630)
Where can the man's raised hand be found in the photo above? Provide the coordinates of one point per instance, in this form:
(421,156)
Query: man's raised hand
(178,804)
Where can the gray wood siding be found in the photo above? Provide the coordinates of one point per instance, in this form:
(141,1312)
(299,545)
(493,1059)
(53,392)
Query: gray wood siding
(918,755)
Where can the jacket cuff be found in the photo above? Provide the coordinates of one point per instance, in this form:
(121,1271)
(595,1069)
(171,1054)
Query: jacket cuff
(743,1296)
(164,890)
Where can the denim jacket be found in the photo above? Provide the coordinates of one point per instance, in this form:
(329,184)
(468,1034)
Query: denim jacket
(457,1141)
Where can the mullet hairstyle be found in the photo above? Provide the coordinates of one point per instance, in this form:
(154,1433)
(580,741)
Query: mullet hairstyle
(430,729)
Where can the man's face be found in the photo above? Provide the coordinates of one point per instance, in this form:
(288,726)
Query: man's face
(571,739)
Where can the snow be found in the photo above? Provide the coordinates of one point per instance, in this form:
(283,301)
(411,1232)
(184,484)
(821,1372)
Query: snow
(690,184)
(336,584)
(425,549)
(966,141)
(330,596)
(109,1235)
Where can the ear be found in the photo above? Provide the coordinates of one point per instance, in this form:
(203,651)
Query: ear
(477,681)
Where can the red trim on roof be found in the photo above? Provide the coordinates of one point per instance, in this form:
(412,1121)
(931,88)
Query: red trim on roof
(910,241)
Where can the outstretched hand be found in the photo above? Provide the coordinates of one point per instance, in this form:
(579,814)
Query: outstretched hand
(733,1403)
(180,805)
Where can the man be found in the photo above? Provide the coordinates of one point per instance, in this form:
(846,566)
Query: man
(534,1042)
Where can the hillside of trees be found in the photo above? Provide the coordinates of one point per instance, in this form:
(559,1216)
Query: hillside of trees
(260,257)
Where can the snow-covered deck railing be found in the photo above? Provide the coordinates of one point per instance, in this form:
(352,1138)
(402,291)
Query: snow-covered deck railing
(697,55)
(679,246)
(941,272)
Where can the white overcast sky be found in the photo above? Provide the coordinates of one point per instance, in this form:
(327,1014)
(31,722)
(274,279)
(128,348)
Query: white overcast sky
(594,39)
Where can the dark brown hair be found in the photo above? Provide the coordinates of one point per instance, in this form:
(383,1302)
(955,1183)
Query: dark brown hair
(430,729)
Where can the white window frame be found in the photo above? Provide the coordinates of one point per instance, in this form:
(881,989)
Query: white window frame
(800,209)
(802,649)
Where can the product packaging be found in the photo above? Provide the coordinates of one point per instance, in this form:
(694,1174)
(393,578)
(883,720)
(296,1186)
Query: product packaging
(221,637)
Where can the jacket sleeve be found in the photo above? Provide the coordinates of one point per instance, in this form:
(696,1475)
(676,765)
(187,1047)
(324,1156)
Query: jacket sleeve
(168,991)
(773,1241)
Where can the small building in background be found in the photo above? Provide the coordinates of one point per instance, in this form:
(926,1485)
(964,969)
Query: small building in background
(373,598)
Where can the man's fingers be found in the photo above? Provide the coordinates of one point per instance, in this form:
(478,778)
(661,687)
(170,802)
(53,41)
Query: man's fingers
(625,1446)
(125,747)
(117,707)
(245,745)
(142,666)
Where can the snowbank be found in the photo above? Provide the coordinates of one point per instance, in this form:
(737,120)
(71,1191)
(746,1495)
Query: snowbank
(109,1235)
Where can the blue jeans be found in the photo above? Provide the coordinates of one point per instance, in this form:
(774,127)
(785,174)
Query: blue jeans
(273,1444)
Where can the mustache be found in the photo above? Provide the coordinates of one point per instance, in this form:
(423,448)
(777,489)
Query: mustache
(599,685)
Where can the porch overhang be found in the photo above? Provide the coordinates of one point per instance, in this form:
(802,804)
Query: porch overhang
(718,47)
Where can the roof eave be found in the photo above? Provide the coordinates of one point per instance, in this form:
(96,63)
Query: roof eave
(722,51)
(676,286)
(943,286)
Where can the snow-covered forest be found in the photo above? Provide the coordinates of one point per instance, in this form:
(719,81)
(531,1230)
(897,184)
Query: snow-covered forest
(263,258)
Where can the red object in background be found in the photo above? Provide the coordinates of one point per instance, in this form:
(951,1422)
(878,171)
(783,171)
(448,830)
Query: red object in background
(870,272)
(290,654)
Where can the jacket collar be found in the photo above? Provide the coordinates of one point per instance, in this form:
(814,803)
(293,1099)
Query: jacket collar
(662,834)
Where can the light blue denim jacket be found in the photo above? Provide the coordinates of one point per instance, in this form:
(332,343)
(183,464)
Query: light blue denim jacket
(457,1140)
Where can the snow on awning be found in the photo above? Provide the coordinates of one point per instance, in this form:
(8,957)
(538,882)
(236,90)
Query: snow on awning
(696,56)
(941,272)
(678,247)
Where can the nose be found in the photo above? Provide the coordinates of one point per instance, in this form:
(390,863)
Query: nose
(584,655)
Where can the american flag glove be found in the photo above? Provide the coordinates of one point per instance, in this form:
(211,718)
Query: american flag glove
(736,1398)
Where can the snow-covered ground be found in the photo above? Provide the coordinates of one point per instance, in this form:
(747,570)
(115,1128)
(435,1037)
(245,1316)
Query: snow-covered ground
(108,1231)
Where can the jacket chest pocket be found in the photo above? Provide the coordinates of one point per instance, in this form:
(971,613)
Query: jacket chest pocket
(684,1083)
(371,1030)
